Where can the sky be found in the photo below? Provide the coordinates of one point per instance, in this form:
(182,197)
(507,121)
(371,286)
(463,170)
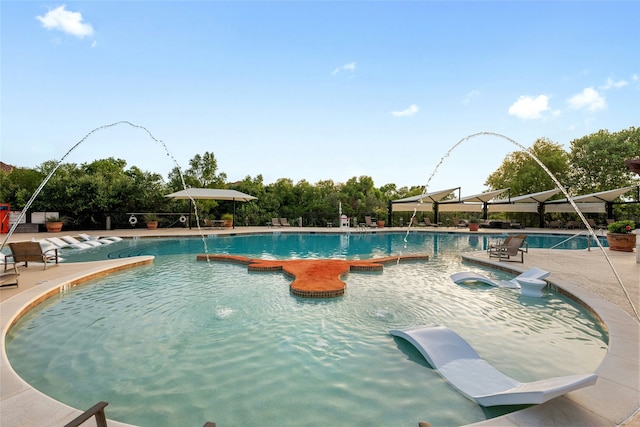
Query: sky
(314,90)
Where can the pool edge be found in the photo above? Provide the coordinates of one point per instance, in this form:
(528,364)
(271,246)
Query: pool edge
(20,403)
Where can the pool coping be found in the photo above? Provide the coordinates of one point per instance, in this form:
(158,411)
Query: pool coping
(614,400)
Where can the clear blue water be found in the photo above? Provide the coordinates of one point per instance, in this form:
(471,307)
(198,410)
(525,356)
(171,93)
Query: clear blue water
(184,341)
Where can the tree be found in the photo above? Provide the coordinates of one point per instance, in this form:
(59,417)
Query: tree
(597,160)
(598,165)
(523,175)
(202,173)
(17,186)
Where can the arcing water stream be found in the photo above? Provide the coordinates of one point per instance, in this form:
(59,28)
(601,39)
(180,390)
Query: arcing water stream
(555,180)
(441,161)
(59,162)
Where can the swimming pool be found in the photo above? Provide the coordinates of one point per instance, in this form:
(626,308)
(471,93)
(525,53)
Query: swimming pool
(181,342)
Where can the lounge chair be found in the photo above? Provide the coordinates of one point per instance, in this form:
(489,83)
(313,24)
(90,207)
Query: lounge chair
(493,246)
(460,223)
(516,246)
(573,224)
(102,240)
(369,222)
(428,223)
(275,222)
(465,277)
(9,275)
(32,251)
(284,222)
(73,241)
(457,362)
(60,244)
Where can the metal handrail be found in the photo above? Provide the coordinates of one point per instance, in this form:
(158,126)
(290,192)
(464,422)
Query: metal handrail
(576,235)
(96,410)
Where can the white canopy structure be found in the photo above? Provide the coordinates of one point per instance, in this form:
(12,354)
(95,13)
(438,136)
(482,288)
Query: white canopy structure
(600,202)
(475,203)
(212,194)
(421,202)
(485,203)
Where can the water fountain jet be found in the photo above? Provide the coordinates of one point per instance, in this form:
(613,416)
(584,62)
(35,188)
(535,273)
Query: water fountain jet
(556,182)
(59,163)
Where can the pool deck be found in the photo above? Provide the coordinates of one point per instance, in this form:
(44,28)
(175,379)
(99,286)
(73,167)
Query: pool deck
(585,274)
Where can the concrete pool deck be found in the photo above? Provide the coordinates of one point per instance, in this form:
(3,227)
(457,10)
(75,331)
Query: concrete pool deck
(613,401)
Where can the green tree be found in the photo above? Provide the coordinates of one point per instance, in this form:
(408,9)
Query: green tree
(202,173)
(520,172)
(597,160)
(17,186)
(598,165)
(361,197)
(251,213)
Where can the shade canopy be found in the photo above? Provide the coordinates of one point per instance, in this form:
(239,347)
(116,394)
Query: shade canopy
(421,202)
(435,196)
(539,197)
(211,194)
(602,196)
(483,197)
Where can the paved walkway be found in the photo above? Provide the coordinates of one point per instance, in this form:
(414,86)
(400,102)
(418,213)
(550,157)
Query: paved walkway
(588,275)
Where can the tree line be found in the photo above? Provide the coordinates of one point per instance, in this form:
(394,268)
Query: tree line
(88,193)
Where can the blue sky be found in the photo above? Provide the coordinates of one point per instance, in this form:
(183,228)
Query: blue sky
(314,90)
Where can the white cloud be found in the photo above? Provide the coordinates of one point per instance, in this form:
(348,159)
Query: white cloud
(68,22)
(468,97)
(350,67)
(589,99)
(611,84)
(529,107)
(412,110)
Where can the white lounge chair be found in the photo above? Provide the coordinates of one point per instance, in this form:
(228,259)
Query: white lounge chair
(60,244)
(470,276)
(458,363)
(73,241)
(102,240)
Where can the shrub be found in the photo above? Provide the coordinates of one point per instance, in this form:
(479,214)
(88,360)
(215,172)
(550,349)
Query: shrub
(623,227)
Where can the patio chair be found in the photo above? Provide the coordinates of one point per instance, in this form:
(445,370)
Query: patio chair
(428,223)
(9,275)
(500,243)
(369,222)
(516,246)
(275,222)
(32,251)
(573,224)
(460,223)
(284,222)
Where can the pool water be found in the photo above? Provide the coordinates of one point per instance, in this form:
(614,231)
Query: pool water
(182,341)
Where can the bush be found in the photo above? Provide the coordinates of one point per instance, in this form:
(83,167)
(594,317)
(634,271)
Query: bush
(623,227)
